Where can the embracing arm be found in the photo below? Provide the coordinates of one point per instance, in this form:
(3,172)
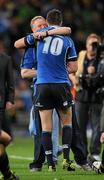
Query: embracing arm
(23,42)
(20,43)
(57,31)
(28,40)
(28,73)
(60,31)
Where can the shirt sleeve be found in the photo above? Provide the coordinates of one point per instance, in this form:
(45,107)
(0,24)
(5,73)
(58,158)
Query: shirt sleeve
(29,40)
(71,51)
(29,59)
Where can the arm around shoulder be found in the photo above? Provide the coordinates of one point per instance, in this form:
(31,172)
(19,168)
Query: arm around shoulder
(60,31)
(20,43)
(57,31)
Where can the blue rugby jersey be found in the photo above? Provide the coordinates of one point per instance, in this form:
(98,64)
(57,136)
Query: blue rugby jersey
(52,55)
(53,52)
(29,62)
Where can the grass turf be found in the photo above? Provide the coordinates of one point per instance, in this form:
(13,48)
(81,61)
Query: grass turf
(21,153)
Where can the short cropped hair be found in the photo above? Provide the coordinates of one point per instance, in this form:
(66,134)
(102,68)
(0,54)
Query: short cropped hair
(35,18)
(54,17)
(93,35)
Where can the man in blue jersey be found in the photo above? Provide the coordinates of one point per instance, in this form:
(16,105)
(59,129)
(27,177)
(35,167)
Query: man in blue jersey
(77,145)
(56,57)
(26,68)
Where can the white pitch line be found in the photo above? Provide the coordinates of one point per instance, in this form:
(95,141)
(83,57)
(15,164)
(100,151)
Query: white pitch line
(21,157)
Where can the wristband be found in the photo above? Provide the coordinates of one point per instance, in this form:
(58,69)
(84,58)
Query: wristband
(47,33)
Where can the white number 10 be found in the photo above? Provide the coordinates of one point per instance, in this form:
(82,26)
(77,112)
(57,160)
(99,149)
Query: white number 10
(53,45)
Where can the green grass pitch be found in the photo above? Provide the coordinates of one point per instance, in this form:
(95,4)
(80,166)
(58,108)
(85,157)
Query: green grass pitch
(21,153)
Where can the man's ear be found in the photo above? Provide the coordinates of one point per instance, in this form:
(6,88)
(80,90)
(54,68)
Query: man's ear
(33,29)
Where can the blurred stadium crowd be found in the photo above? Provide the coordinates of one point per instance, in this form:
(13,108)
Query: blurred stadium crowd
(83,16)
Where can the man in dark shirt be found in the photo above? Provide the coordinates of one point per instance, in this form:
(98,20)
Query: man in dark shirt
(88,104)
(6,102)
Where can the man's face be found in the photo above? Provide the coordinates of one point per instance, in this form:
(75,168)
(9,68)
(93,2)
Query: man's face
(38,24)
(89,45)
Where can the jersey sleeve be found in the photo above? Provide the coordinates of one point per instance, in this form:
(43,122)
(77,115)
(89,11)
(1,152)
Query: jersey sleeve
(29,40)
(29,59)
(71,50)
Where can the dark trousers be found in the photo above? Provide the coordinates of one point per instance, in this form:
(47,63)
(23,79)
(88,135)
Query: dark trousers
(102,160)
(5,121)
(90,112)
(77,145)
(1,117)
(7,124)
(39,154)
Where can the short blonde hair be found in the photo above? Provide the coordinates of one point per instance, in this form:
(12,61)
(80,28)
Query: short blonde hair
(93,35)
(35,18)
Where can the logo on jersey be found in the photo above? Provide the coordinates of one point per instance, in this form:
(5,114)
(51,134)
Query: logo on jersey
(38,104)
